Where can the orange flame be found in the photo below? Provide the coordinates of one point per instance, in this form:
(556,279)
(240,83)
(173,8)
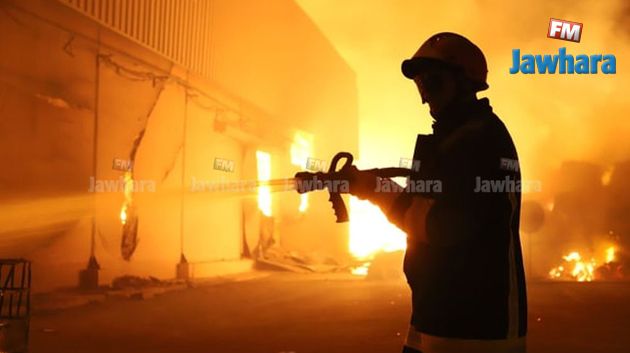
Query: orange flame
(370,233)
(575,268)
(127,191)
(301,149)
(263,161)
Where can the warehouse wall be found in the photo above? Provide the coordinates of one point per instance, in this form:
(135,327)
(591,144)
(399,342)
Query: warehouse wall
(65,72)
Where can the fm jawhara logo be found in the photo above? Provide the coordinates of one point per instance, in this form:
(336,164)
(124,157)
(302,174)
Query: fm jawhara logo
(562,62)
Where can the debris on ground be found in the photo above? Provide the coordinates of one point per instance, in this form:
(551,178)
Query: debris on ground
(128,281)
(275,258)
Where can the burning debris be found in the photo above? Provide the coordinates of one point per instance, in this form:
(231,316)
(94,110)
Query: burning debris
(278,259)
(576,268)
(584,237)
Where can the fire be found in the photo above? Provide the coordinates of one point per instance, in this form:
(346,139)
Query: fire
(301,149)
(610,254)
(127,191)
(263,161)
(303,203)
(582,271)
(578,269)
(361,270)
(371,232)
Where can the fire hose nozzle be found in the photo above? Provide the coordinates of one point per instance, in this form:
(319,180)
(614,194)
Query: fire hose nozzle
(307,181)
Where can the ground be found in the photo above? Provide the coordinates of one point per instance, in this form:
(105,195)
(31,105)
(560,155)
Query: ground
(286,313)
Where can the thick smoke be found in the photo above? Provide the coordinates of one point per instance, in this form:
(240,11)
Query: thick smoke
(569,129)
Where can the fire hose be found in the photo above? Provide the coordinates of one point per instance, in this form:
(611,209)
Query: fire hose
(331,180)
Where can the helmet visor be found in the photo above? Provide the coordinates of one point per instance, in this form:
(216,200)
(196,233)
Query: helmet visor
(412,67)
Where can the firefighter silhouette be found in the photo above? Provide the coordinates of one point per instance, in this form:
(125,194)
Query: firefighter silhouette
(463,261)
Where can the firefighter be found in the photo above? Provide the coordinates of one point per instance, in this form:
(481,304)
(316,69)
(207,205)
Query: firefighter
(463,261)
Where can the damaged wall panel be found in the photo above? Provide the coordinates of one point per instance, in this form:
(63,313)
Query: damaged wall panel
(212,219)
(131,107)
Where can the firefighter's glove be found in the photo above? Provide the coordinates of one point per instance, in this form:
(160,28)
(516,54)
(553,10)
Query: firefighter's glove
(362,183)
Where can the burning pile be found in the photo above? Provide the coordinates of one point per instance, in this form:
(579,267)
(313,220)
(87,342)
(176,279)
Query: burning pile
(575,268)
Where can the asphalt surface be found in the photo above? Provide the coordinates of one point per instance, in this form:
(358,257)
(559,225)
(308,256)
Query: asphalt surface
(314,313)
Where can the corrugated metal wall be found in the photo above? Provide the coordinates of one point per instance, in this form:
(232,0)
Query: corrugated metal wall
(181,30)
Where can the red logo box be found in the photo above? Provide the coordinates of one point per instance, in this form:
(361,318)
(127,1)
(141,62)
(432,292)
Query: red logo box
(564,30)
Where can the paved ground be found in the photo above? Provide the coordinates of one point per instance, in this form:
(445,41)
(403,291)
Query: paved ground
(303,314)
